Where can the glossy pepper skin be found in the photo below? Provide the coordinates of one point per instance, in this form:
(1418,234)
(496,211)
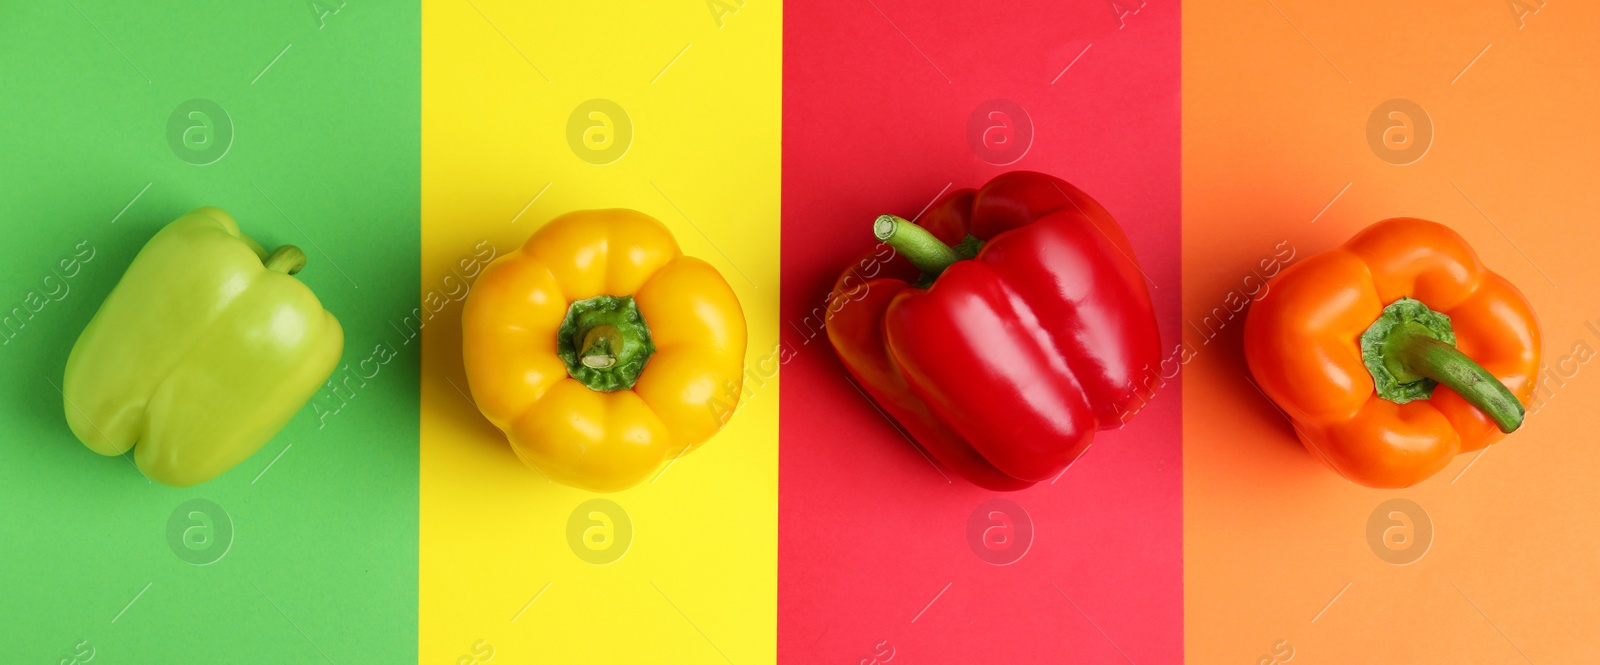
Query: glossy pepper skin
(601,350)
(203,351)
(1005,366)
(1304,344)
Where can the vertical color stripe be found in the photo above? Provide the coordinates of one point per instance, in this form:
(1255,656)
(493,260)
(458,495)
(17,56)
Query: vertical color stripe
(1285,108)
(875,561)
(121,118)
(698,86)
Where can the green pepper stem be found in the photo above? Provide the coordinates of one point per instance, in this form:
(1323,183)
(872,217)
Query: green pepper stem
(915,243)
(600,346)
(287,259)
(1411,352)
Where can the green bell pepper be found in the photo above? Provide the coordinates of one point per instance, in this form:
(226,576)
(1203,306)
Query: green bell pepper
(204,350)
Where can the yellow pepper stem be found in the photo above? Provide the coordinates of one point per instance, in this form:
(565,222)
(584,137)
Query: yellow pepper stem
(600,346)
(604,342)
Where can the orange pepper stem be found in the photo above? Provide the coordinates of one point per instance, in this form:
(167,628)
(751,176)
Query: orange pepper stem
(1411,349)
(1411,352)
(287,259)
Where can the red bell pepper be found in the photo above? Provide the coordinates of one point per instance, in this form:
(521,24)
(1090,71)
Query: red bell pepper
(1002,332)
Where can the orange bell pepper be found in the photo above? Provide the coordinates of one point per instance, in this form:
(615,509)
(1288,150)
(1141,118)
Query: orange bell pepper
(1352,343)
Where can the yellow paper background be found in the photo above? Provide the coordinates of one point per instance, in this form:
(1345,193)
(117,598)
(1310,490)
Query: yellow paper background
(499,82)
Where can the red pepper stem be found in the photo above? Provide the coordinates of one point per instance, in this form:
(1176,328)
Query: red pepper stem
(1411,352)
(915,243)
(287,259)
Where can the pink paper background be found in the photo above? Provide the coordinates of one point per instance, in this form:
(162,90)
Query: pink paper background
(876,103)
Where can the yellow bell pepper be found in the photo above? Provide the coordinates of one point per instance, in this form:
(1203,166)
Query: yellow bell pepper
(601,351)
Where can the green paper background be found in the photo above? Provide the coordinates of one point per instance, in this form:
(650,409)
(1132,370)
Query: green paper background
(323,559)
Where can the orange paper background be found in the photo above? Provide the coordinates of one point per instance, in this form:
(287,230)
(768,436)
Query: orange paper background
(1277,95)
